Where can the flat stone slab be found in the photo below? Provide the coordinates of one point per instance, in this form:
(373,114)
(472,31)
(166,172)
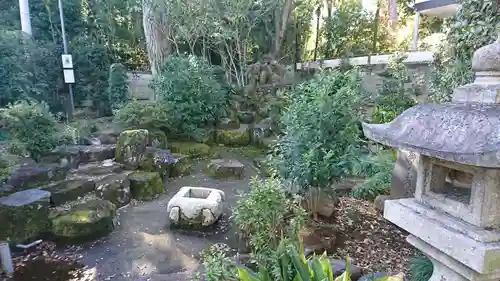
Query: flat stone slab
(69,190)
(196,206)
(25,197)
(225,169)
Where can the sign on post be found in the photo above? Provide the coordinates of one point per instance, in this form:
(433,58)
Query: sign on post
(67,63)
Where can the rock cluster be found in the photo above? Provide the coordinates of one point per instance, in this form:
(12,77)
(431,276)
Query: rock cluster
(73,193)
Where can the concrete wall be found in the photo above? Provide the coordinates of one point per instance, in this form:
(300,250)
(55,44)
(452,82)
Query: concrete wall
(139,85)
(418,64)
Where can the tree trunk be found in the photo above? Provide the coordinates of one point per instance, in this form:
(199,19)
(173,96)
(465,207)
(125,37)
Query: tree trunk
(156,32)
(281,22)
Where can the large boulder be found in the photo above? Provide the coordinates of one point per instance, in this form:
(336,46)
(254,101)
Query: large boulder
(24,215)
(37,174)
(225,169)
(114,188)
(131,147)
(157,139)
(192,149)
(97,153)
(145,185)
(237,137)
(181,166)
(84,220)
(157,160)
(69,190)
(65,155)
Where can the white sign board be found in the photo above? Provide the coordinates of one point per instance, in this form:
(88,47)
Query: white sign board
(69,76)
(67,61)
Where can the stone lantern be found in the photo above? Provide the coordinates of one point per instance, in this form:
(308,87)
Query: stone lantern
(456,225)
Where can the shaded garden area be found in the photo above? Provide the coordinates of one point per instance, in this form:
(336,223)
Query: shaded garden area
(303,188)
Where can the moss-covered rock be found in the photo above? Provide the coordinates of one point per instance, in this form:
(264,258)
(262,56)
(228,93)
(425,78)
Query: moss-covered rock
(131,147)
(157,160)
(145,185)
(24,215)
(181,167)
(27,176)
(246,117)
(85,220)
(225,169)
(69,190)
(238,137)
(114,188)
(190,148)
(157,139)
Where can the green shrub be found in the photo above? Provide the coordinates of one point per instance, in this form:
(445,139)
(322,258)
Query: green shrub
(194,98)
(33,125)
(218,266)
(473,26)
(378,169)
(321,131)
(117,85)
(421,268)
(263,214)
(266,216)
(140,115)
(393,96)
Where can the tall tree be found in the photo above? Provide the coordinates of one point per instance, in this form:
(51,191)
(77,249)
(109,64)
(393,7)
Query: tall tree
(156,32)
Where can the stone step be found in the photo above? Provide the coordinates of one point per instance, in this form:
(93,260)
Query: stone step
(225,169)
(74,155)
(105,167)
(69,190)
(36,174)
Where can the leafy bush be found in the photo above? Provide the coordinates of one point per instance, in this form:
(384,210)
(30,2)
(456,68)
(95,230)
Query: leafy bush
(189,88)
(117,85)
(473,26)
(33,125)
(266,213)
(378,169)
(93,60)
(421,268)
(218,266)
(393,96)
(140,115)
(321,131)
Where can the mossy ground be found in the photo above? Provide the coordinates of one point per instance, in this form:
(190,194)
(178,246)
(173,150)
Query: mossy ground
(239,137)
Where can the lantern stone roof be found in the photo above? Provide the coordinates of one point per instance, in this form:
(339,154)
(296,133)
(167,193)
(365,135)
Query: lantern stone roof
(467,133)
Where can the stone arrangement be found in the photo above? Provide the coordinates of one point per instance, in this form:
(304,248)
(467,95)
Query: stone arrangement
(454,217)
(195,206)
(225,169)
(74,192)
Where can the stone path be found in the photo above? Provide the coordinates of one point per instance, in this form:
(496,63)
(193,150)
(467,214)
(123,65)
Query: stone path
(143,247)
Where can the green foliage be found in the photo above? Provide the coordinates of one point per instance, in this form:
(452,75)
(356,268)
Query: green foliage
(93,60)
(393,96)
(193,97)
(117,85)
(321,131)
(218,266)
(5,170)
(33,125)
(421,268)
(140,115)
(378,169)
(472,27)
(266,213)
